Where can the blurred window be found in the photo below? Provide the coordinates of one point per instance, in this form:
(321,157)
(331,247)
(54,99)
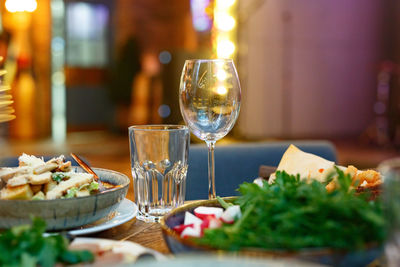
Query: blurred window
(86,34)
(201,20)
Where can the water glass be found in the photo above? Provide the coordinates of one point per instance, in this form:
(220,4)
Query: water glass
(390,169)
(159,156)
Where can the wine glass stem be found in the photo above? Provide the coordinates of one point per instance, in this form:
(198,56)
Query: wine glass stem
(211,172)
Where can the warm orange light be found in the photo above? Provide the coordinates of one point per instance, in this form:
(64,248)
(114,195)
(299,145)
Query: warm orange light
(224,4)
(21,5)
(224,21)
(225,48)
(224,28)
(221,90)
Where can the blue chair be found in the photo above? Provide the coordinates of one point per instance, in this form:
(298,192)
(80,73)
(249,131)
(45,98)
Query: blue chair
(238,163)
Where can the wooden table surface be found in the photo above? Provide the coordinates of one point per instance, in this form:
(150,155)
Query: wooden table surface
(146,234)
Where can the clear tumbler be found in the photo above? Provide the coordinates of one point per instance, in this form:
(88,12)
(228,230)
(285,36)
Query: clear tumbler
(159,156)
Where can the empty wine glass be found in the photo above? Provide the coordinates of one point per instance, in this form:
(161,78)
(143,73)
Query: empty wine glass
(209,98)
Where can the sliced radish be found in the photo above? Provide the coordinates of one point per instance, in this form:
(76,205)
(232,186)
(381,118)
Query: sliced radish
(191,219)
(194,231)
(202,212)
(231,213)
(259,181)
(211,222)
(179,228)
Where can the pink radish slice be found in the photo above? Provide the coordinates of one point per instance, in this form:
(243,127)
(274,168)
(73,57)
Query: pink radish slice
(259,181)
(194,231)
(231,213)
(191,219)
(202,212)
(179,228)
(210,222)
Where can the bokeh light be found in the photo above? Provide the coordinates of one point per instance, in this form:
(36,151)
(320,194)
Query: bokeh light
(224,4)
(224,28)
(221,75)
(164,111)
(221,90)
(21,5)
(225,48)
(165,57)
(224,22)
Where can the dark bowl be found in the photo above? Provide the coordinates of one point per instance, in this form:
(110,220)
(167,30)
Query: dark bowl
(317,255)
(61,214)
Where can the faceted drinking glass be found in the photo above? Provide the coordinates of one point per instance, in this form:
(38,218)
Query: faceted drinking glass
(159,165)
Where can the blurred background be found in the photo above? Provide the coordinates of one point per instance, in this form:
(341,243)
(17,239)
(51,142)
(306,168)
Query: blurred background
(81,72)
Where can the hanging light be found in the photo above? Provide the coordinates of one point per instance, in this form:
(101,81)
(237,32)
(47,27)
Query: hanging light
(224,22)
(21,5)
(224,32)
(225,48)
(224,4)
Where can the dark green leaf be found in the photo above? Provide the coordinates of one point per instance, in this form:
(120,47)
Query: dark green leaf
(58,176)
(292,214)
(27,246)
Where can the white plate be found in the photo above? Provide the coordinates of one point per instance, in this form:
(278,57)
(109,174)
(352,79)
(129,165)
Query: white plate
(130,250)
(126,211)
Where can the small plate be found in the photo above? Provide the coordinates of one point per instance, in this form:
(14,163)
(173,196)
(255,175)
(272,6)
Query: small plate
(131,251)
(126,211)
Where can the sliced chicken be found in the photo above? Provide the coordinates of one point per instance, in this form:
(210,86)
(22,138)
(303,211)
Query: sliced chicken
(49,186)
(76,180)
(65,166)
(18,180)
(27,160)
(59,160)
(8,173)
(45,168)
(42,178)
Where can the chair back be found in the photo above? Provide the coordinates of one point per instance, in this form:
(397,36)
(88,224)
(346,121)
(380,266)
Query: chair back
(238,163)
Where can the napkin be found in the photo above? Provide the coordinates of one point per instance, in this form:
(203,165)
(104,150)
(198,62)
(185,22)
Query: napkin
(111,252)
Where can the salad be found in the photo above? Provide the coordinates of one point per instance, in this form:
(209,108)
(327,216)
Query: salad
(292,214)
(26,245)
(35,179)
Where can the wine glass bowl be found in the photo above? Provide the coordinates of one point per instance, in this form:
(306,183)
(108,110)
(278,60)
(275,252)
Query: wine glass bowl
(209,98)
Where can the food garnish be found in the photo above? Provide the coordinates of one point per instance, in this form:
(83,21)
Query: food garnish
(35,179)
(312,167)
(294,213)
(26,245)
(203,212)
(207,218)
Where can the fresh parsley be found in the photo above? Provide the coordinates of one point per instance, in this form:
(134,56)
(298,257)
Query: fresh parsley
(58,176)
(26,246)
(293,214)
(71,192)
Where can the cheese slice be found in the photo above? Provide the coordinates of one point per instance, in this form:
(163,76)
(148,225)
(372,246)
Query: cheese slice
(295,161)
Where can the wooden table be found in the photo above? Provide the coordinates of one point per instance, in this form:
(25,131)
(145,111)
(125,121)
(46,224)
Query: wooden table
(146,234)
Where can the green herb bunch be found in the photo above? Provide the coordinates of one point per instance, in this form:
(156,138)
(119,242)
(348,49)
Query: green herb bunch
(293,214)
(26,246)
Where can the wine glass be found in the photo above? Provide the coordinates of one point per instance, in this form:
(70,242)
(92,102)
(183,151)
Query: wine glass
(209,98)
